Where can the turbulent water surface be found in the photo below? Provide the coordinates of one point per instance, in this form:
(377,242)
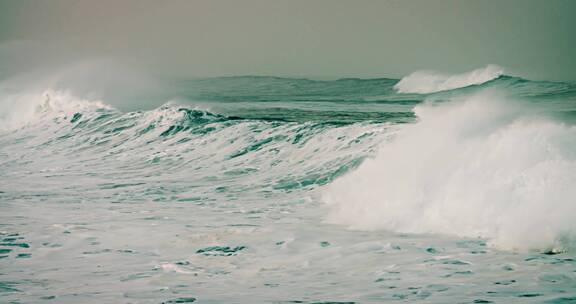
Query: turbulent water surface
(434,188)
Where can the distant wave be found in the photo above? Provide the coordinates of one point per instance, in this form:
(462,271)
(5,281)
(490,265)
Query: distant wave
(478,167)
(424,82)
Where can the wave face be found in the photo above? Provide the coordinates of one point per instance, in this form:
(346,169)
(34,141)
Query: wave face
(479,166)
(424,82)
(92,129)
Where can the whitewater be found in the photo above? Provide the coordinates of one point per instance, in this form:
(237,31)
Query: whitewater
(433,188)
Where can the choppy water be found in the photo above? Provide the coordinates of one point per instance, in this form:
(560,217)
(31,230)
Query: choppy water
(460,189)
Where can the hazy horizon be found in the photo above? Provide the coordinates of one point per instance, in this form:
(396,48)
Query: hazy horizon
(320,39)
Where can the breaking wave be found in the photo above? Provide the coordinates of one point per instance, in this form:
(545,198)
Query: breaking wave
(482,166)
(424,82)
(477,166)
(276,155)
(18,110)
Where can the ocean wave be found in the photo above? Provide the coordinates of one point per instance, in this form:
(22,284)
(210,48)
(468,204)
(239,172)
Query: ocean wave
(424,82)
(18,110)
(55,106)
(483,166)
(279,155)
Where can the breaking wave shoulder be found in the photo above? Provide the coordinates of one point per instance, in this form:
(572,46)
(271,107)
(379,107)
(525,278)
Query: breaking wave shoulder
(19,110)
(483,166)
(425,82)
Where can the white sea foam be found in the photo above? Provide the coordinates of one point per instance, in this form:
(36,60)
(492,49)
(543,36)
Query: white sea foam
(479,167)
(17,110)
(424,82)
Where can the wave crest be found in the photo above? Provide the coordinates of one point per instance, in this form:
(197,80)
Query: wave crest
(424,82)
(482,167)
(18,110)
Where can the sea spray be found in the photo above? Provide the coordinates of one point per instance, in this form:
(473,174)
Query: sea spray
(20,109)
(480,166)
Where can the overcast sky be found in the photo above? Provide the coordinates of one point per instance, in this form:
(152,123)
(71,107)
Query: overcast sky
(304,38)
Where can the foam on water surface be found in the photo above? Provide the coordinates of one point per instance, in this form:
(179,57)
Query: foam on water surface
(223,200)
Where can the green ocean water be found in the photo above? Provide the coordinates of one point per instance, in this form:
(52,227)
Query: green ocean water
(430,189)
